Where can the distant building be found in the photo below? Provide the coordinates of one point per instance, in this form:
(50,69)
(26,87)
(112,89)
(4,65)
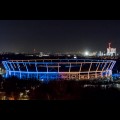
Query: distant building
(41,54)
(100,53)
(93,53)
(111,51)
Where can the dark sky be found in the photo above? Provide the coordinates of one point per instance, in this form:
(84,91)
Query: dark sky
(58,35)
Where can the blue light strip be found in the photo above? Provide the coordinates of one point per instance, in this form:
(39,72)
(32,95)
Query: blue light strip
(12,66)
(113,65)
(19,69)
(7,69)
(7,66)
(36,69)
(27,69)
(4,63)
(35,72)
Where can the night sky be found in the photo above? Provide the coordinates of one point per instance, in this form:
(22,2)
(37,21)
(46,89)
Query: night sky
(58,35)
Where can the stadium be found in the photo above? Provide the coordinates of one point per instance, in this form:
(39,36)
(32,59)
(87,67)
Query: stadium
(54,69)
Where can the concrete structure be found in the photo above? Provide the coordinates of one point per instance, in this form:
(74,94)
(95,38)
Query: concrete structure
(49,69)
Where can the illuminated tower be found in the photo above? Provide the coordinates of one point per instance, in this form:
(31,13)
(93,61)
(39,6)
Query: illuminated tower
(111,51)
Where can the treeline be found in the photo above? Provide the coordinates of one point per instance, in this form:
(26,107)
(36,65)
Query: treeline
(60,89)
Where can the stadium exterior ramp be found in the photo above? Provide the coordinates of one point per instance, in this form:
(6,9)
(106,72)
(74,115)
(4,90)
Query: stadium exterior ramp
(50,69)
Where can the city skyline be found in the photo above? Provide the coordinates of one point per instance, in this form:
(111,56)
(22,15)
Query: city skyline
(58,35)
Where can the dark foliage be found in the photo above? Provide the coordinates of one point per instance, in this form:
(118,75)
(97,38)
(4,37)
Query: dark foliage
(61,89)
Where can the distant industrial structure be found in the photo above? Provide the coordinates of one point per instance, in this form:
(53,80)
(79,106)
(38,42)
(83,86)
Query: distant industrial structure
(100,53)
(111,51)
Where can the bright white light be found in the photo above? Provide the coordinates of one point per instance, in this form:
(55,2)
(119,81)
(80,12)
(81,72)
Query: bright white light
(75,57)
(86,53)
(68,55)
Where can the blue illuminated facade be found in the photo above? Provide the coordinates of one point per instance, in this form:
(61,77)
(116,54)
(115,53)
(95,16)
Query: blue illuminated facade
(50,69)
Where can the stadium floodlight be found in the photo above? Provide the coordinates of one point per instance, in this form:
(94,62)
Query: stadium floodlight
(86,53)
